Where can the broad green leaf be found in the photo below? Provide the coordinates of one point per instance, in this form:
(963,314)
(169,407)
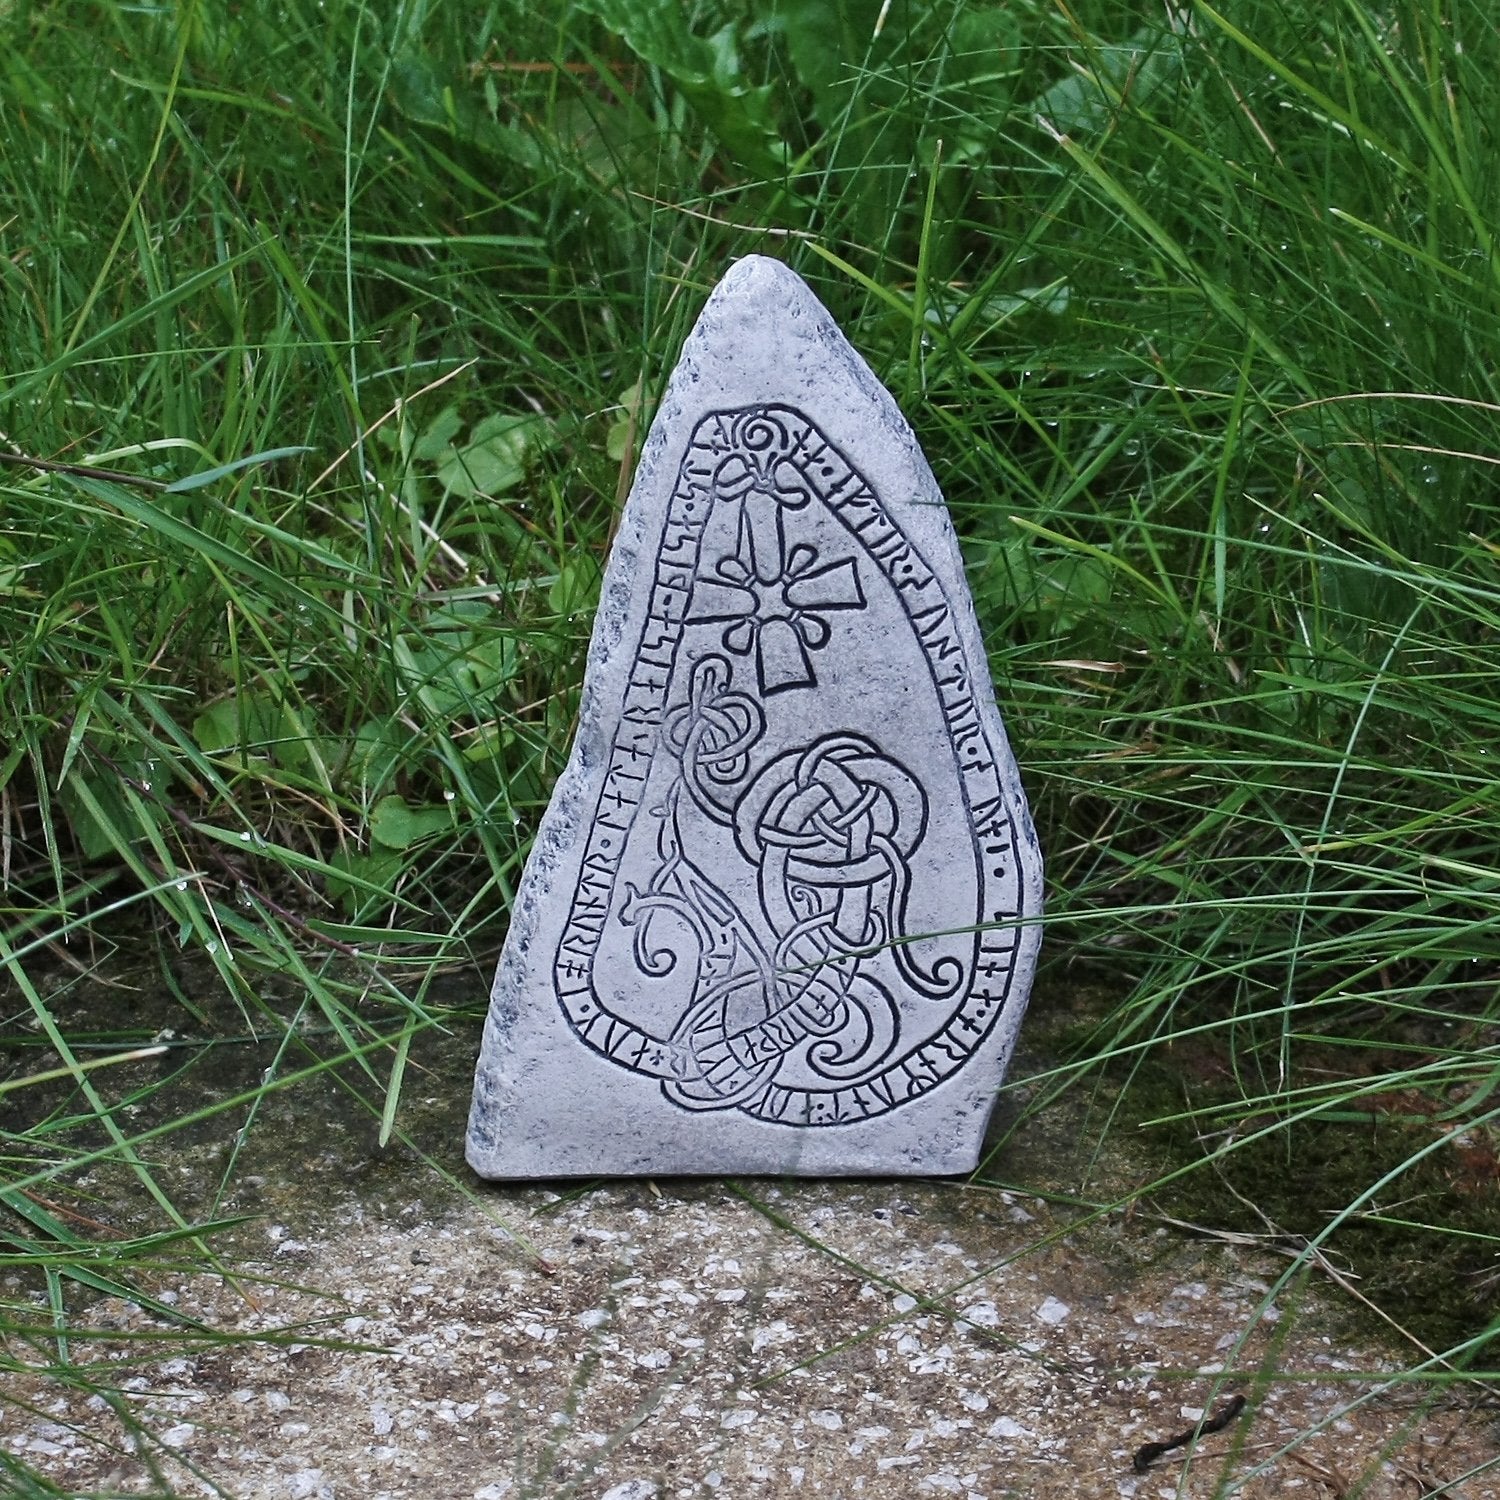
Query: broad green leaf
(828,42)
(437,435)
(375,755)
(256,724)
(98,836)
(443,98)
(631,425)
(397,825)
(247,721)
(492,662)
(1107,75)
(494,459)
(709,73)
(576,587)
(361,879)
(104,817)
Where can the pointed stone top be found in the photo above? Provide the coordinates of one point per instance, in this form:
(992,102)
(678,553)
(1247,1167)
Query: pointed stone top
(762,303)
(769,300)
(751,268)
(764,337)
(763,276)
(779,914)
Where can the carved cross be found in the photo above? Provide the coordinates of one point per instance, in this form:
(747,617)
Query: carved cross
(772,598)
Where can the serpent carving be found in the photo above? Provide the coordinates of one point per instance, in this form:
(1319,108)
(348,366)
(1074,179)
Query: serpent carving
(780,955)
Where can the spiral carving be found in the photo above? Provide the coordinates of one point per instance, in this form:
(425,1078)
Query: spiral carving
(778,954)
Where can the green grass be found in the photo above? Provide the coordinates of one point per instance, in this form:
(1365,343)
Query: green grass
(1197,325)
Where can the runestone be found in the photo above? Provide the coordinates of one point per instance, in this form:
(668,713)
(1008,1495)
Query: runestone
(781,915)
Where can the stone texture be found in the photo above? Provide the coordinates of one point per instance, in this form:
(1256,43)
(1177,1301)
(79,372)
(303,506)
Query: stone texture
(779,913)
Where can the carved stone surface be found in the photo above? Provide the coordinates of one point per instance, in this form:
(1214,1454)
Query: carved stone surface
(779,917)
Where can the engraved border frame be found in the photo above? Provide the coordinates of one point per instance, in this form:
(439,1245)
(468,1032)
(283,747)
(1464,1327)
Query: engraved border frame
(991,813)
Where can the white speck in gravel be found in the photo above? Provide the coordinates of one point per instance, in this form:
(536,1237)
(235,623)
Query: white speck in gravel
(773,1333)
(939,1362)
(982,1314)
(633,1489)
(496,1491)
(1052,1311)
(593,1317)
(903,1302)
(1008,1427)
(381,1421)
(307,1484)
(829,1421)
(741,1416)
(730,1294)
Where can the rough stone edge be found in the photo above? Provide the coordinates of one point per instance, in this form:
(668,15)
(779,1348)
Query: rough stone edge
(753,275)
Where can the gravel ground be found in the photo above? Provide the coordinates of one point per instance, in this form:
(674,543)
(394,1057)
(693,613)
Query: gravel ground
(390,1327)
(874,1340)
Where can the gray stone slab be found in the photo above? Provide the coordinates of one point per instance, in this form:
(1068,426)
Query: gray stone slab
(780,914)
